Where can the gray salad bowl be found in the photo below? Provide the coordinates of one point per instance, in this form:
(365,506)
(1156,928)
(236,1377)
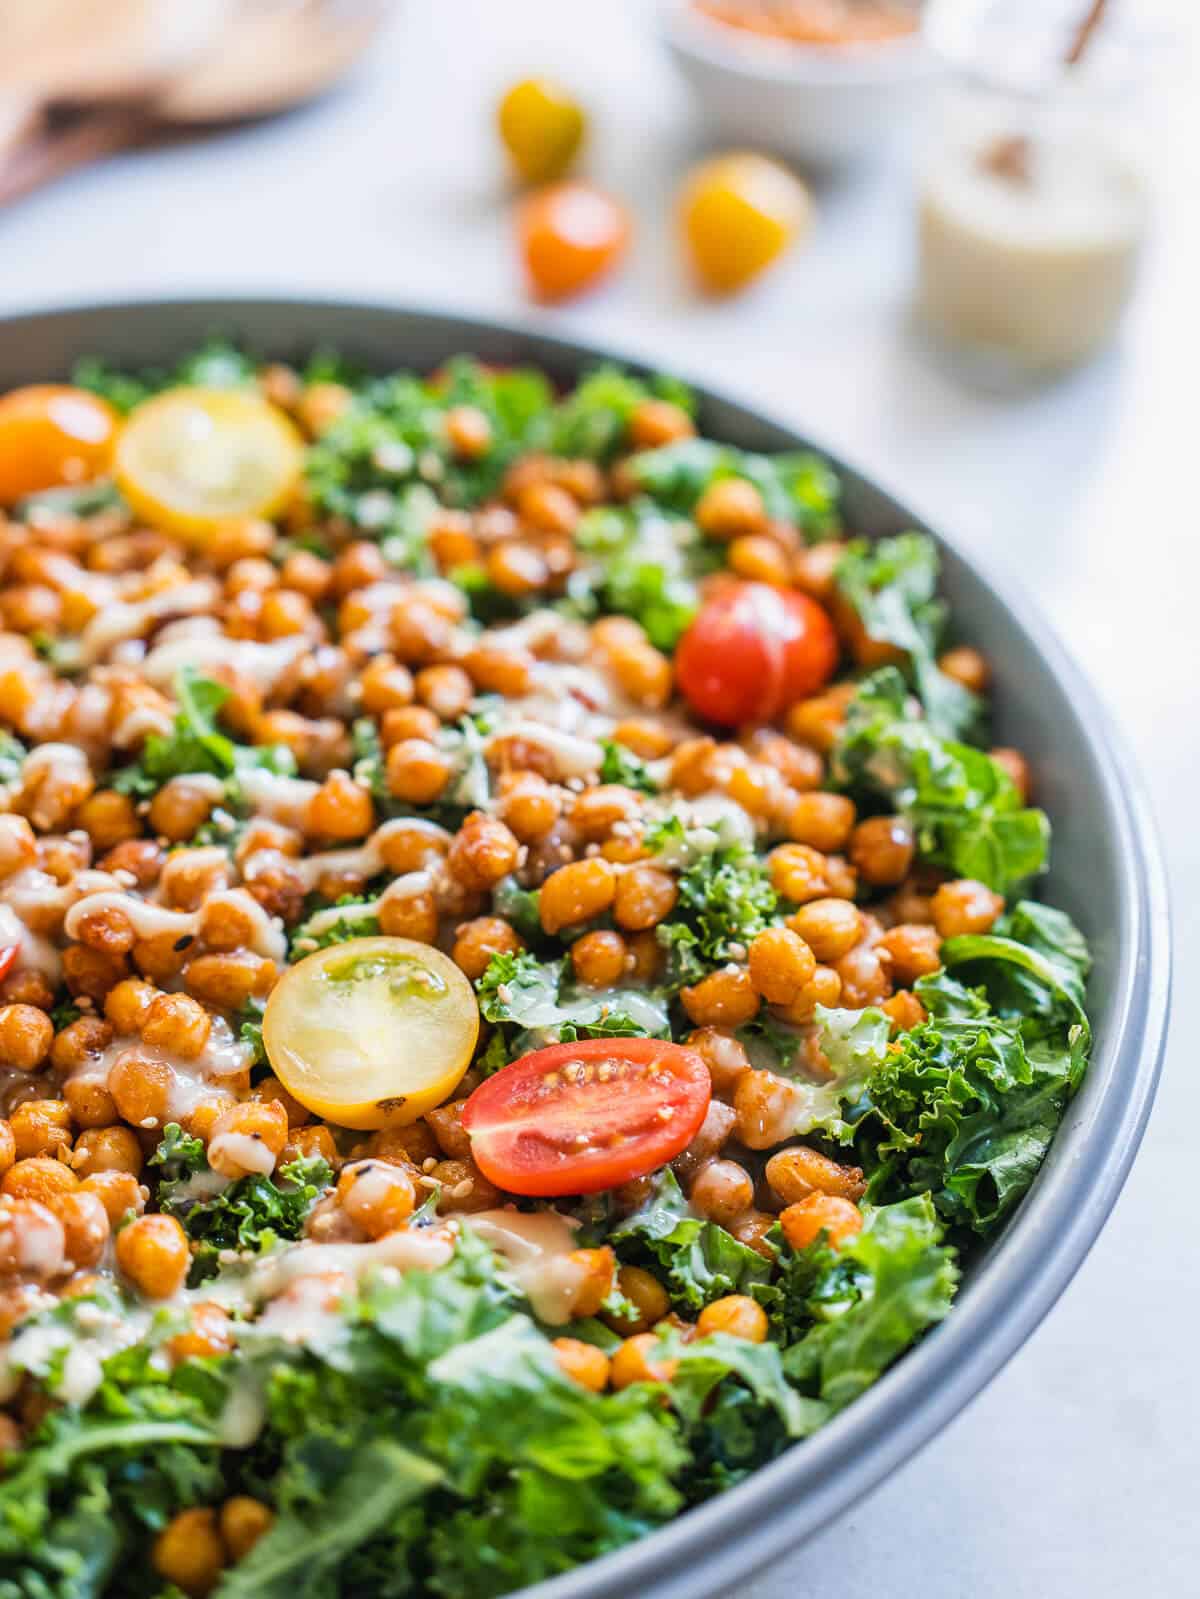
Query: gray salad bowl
(1107,873)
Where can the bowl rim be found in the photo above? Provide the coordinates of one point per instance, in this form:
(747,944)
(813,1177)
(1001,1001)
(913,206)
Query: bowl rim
(753,57)
(708,1548)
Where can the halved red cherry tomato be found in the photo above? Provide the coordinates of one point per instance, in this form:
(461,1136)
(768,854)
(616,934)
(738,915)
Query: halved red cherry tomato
(8,959)
(753,651)
(51,434)
(576,1118)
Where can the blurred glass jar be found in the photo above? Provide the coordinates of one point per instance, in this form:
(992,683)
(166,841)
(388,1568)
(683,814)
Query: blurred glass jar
(1033,193)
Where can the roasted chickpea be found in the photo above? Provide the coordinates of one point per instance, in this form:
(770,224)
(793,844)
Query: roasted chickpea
(793,1174)
(1016,768)
(576,893)
(599,958)
(804,1222)
(914,950)
(106,1149)
(731,508)
(340,810)
(177,1023)
(40,1127)
(582,1363)
(210,1332)
(31,1239)
(243,1521)
(189,1552)
(654,423)
(248,1137)
(905,1010)
(882,849)
(781,964)
(118,1192)
(26,1035)
(823,821)
(417,771)
(377,1196)
(830,927)
(152,1252)
(737,1316)
(477,941)
(966,666)
(482,852)
(721,1191)
(724,1056)
(597,1269)
(725,998)
(85,1225)
(643,897)
(638,1360)
(646,1294)
(965,906)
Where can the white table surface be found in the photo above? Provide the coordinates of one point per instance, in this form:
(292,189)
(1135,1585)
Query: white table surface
(1076,1472)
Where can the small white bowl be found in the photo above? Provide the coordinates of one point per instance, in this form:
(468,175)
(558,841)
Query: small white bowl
(823,106)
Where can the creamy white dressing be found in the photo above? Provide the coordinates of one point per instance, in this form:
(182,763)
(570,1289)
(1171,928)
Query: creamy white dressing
(537,1247)
(150,920)
(129,619)
(263,664)
(242,1150)
(278,798)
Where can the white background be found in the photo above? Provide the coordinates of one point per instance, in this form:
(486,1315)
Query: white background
(1076,1473)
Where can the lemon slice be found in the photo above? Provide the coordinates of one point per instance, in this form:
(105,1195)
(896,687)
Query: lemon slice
(373,1032)
(190,459)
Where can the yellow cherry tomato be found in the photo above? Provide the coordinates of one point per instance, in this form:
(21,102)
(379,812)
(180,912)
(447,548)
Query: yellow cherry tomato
(190,459)
(373,1032)
(740,213)
(542,128)
(51,435)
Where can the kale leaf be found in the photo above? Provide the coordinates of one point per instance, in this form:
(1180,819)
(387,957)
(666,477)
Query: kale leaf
(797,487)
(964,807)
(725,898)
(535,1005)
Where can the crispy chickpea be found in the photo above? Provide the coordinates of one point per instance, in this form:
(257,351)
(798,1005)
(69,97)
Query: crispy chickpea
(965,906)
(229,981)
(446,690)
(408,909)
(385,685)
(306,1142)
(141,1086)
(90,973)
(108,818)
(866,975)
(646,1294)
(582,1363)
(106,1149)
(414,1143)
(464,1188)
(781,963)
(643,897)
(18,845)
(760,559)
(40,1127)
(822,820)
(805,1221)
(319,406)
(637,1360)
(793,1174)
(882,849)
(643,673)
(598,810)
(210,1332)
(308,574)
(737,1316)
(8,1146)
(26,1035)
(830,927)
(142,858)
(243,1521)
(576,893)
(547,508)
(597,1268)
(494,670)
(445,1122)
(721,1191)
(818,721)
(914,950)
(39,1177)
(1016,768)
(798,873)
(189,1551)
(904,1010)
(80,1042)
(529,806)
(31,1239)
(724,1056)
(340,810)
(725,998)
(377,1196)
(117,1191)
(180,808)
(178,1023)
(477,941)
(417,771)
(85,1225)
(966,666)
(482,852)
(248,1137)
(814,569)
(468,432)
(599,958)
(824,987)
(765,1104)
(152,1252)
(653,423)
(731,508)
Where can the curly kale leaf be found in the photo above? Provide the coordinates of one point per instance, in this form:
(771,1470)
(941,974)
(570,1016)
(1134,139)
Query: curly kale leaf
(965,809)
(593,420)
(641,564)
(535,1004)
(252,1213)
(893,587)
(797,487)
(725,899)
(870,1300)
(196,743)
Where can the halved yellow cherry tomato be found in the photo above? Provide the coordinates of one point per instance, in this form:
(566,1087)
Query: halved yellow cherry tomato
(542,128)
(190,459)
(51,434)
(373,1032)
(739,214)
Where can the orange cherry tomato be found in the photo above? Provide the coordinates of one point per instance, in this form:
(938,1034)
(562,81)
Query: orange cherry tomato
(571,236)
(578,1118)
(52,435)
(753,651)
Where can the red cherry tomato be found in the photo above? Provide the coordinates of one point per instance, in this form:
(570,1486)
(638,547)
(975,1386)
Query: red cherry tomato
(8,959)
(576,1118)
(753,651)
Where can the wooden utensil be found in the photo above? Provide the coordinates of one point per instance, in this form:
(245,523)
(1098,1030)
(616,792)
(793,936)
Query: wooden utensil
(267,56)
